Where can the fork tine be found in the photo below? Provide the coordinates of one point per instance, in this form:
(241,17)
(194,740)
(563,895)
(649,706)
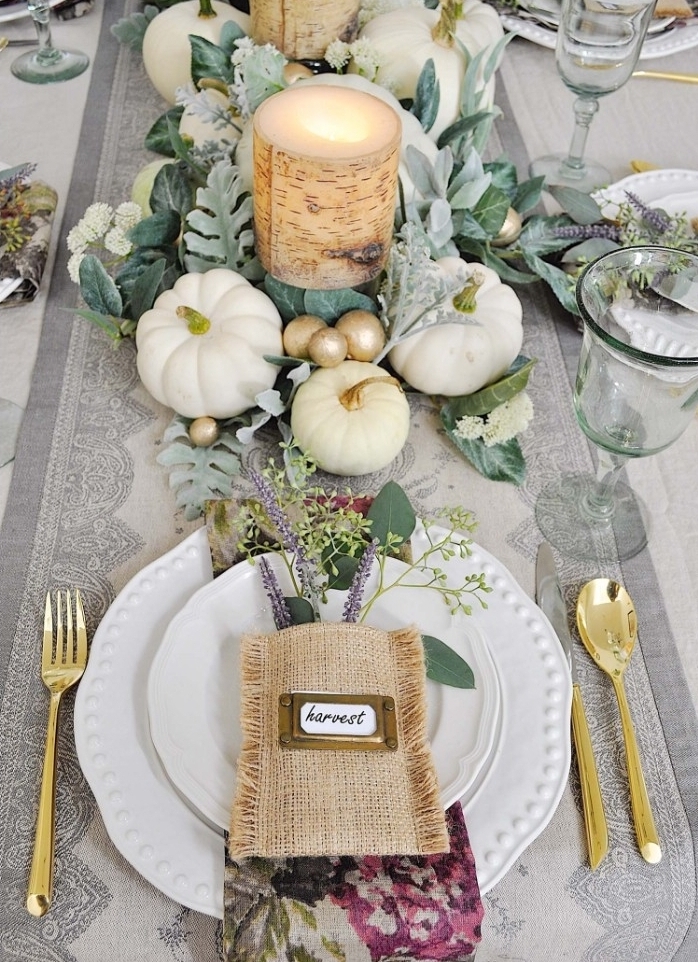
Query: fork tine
(60,640)
(69,638)
(47,647)
(81,654)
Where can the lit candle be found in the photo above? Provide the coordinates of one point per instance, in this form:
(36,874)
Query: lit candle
(303,29)
(325,183)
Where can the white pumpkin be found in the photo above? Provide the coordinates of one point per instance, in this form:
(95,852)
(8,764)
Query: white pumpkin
(201,346)
(412,131)
(166,47)
(201,130)
(460,358)
(405,40)
(351,419)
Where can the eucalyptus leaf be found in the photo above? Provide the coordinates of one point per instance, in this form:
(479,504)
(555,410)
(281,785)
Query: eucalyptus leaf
(158,137)
(589,250)
(157,230)
(500,462)
(490,397)
(528,194)
(425,106)
(340,569)
(562,284)
(109,324)
(209,60)
(581,207)
(391,513)
(461,128)
(537,236)
(445,666)
(300,610)
(98,289)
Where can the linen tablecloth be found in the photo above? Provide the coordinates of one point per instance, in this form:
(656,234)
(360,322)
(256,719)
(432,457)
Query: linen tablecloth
(89,505)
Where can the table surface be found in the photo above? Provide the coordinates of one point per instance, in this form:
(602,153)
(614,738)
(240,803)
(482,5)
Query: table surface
(85,501)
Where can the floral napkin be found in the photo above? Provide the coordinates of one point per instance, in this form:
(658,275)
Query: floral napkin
(26,216)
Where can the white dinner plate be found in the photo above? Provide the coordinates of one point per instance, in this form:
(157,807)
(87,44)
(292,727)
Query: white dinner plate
(14,11)
(179,853)
(677,37)
(193,694)
(673,189)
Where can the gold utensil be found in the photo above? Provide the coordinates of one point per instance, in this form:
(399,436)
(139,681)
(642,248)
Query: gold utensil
(62,665)
(686,78)
(608,627)
(6,42)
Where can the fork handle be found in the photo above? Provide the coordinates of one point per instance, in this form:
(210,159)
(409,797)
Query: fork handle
(40,888)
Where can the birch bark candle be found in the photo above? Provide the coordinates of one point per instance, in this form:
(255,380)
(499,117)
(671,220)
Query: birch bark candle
(303,29)
(325,182)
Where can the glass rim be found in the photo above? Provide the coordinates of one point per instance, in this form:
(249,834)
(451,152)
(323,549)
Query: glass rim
(659,360)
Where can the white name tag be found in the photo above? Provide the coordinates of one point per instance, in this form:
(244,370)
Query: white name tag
(334,719)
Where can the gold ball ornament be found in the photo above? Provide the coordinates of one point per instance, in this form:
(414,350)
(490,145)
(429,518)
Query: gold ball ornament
(364,333)
(328,347)
(297,334)
(296,71)
(510,229)
(203,432)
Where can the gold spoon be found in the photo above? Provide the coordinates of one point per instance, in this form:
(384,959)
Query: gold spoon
(686,78)
(608,627)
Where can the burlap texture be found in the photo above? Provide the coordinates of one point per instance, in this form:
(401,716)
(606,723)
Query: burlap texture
(318,802)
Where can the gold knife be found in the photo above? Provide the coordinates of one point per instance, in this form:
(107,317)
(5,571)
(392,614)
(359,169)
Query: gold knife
(550,600)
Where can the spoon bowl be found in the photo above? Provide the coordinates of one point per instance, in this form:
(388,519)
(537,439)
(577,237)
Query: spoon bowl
(608,628)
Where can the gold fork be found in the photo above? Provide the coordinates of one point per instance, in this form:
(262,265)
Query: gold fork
(62,666)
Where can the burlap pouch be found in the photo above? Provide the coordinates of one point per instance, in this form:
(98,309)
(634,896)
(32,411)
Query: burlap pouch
(292,802)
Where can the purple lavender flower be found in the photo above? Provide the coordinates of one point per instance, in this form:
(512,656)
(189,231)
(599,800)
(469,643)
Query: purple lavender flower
(585,231)
(352,605)
(279,608)
(653,218)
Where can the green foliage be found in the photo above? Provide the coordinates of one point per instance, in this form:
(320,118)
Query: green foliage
(329,305)
(392,517)
(490,397)
(158,137)
(208,60)
(446,666)
(500,462)
(426,100)
(131,30)
(98,289)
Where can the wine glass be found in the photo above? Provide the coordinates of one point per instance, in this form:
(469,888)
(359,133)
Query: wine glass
(47,64)
(598,46)
(636,391)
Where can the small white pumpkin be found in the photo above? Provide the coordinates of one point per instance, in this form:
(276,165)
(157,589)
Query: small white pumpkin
(351,419)
(201,131)
(166,47)
(201,346)
(460,358)
(408,37)
(412,131)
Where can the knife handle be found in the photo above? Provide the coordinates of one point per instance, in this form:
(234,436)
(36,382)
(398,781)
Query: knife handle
(592,802)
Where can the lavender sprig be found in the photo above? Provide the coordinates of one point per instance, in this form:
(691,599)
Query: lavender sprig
(585,231)
(279,608)
(289,539)
(653,218)
(355,594)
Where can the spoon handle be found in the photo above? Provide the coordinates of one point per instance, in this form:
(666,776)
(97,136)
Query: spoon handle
(647,837)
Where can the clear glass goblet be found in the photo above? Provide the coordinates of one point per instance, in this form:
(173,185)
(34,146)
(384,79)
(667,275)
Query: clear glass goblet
(598,46)
(47,64)
(635,393)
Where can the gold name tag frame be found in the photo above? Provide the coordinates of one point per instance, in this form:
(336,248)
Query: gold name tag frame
(327,720)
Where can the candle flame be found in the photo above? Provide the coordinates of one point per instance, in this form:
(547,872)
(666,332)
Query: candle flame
(340,129)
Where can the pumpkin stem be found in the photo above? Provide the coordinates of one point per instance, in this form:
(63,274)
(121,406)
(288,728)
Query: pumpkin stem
(444,31)
(196,321)
(466,300)
(206,11)
(353,397)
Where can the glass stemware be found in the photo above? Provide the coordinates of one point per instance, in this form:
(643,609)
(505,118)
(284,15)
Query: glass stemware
(598,45)
(636,391)
(47,64)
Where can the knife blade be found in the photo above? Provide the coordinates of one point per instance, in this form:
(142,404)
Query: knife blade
(551,601)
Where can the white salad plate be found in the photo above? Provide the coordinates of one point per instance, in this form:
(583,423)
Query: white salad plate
(14,11)
(181,854)
(675,190)
(194,696)
(661,41)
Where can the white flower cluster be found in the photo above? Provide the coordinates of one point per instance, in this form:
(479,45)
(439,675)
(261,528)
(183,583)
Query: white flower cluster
(500,425)
(102,228)
(365,55)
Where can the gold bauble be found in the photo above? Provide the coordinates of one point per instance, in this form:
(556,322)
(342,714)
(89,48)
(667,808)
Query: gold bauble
(364,333)
(510,229)
(296,71)
(328,347)
(298,332)
(204,432)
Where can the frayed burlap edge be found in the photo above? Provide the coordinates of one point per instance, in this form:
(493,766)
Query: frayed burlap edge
(428,820)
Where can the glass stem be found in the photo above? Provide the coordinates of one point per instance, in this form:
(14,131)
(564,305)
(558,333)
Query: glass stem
(40,14)
(598,504)
(585,109)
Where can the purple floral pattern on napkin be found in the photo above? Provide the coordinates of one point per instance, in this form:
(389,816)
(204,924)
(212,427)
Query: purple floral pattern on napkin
(368,909)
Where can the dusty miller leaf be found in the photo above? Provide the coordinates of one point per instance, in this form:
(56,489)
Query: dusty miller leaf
(221,224)
(130,30)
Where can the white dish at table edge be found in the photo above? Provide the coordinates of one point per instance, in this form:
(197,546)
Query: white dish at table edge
(673,189)
(169,845)
(194,699)
(14,11)
(657,45)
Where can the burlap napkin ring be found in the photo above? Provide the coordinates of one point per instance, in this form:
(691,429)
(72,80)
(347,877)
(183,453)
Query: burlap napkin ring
(300,801)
